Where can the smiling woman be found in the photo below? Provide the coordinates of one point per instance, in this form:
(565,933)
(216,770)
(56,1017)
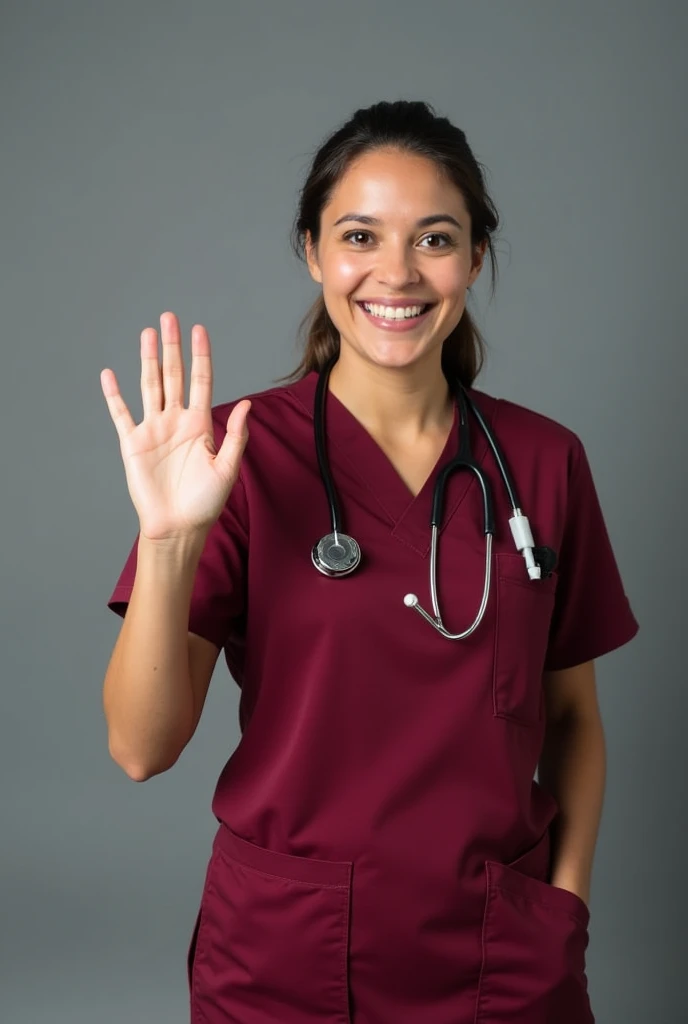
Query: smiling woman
(383,852)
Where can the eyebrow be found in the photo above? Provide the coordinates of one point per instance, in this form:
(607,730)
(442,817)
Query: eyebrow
(424,222)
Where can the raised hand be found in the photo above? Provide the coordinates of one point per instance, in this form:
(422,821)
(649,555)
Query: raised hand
(177,480)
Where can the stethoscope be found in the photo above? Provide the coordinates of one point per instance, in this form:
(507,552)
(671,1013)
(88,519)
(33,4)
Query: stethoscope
(337,554)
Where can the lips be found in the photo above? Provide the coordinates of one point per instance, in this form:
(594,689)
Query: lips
(402,323)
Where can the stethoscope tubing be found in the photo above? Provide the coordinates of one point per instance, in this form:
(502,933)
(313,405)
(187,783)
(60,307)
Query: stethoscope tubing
(321,447)
(337,554)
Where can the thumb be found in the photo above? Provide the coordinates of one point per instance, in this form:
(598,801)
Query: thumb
(232,448)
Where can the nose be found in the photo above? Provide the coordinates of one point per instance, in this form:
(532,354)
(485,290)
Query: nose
(396,268)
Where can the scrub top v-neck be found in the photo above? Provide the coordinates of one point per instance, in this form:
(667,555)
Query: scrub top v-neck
(383,850)
(352,449)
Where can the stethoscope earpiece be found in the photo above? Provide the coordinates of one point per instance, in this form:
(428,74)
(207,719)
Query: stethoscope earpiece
(336,554)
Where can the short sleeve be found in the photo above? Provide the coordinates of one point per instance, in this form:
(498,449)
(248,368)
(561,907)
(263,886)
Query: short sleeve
(592,615)
(218,595)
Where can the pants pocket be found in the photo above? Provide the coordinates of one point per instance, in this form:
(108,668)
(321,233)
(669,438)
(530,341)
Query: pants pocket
(273,938)
(524,613)
(534,940)
(191,952)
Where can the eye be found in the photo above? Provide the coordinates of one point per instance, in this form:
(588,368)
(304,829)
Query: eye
(443,238)
(351,235)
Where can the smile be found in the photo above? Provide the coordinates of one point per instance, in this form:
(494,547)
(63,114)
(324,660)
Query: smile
(394,312)
(395,318)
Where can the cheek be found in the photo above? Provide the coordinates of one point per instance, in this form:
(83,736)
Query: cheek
(342,273)
(451,280)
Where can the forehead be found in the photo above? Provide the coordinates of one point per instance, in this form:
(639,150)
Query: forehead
(390,184)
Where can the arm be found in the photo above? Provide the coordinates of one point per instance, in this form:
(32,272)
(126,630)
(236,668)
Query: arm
(152,694)
(573,768)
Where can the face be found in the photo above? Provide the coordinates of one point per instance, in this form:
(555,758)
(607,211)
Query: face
(394,259)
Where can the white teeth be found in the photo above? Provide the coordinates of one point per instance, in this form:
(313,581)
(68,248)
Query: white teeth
(393,312)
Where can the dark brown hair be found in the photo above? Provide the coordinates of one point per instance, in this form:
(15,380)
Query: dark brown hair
(412,127)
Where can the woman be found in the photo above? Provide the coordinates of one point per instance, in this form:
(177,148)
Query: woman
(384,855)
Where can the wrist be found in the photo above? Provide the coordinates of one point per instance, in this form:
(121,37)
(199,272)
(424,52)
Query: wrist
(175,553)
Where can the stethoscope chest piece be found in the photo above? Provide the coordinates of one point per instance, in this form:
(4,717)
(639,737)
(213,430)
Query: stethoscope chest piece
(336,554)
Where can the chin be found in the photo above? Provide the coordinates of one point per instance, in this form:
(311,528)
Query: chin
(396,355)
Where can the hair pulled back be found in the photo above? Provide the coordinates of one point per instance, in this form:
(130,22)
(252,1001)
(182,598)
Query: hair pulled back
(413,127)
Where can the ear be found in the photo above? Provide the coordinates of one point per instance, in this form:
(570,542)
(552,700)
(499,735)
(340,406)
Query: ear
(312,258)
(478,260)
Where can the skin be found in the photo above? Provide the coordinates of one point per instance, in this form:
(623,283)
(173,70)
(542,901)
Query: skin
(394,385)
(573,767)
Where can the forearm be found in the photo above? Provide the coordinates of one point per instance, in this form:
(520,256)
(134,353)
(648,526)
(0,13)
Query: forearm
(147,694)
(573,769)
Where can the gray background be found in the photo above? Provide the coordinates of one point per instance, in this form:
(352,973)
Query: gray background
(151,158)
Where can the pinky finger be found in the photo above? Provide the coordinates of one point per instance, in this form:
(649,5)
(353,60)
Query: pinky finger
(121,417)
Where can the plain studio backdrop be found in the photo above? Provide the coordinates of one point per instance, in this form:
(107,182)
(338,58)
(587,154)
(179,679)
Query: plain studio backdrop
(151,158)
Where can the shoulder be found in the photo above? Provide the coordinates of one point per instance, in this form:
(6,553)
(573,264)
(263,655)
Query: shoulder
(280,423)
(517,425)
(266,405)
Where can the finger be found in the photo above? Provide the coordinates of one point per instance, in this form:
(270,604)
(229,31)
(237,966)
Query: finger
(201,387)
(119,412)
(233,445)
(172,361)
(151,384)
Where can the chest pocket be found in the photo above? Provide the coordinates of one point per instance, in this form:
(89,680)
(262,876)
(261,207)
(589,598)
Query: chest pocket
(524,614)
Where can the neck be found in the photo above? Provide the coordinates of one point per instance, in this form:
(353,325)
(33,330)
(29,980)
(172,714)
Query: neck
(406,402)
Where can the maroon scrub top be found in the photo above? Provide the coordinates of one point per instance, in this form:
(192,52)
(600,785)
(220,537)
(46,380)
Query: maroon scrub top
(383,852)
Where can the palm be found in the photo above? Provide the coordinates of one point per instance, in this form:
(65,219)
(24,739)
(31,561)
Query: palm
(171,472)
